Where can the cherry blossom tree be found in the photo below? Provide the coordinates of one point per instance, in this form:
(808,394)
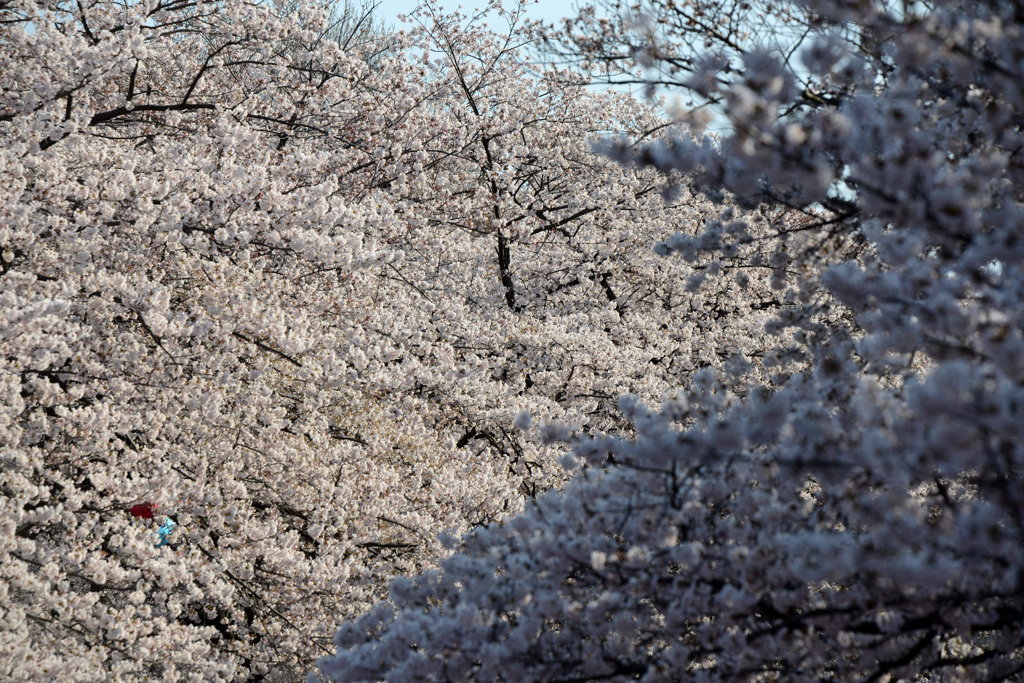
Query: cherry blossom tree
(855,515)
(273,302)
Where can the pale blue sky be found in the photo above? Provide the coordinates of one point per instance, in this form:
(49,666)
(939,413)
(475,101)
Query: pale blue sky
(546,10)
(549,11)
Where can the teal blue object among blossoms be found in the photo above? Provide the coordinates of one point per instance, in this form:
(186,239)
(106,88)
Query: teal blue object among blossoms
(164,532)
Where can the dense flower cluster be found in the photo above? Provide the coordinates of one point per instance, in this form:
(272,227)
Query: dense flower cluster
(860,518)
(272,304)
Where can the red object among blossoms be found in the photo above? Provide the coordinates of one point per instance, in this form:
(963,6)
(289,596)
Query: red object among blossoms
(144,510)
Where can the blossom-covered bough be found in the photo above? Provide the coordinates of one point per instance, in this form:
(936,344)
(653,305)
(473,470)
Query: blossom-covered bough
(272,296)
(858,518)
